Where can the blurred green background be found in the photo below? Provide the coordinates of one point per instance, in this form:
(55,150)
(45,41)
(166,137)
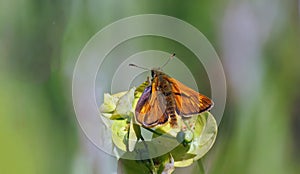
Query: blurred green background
(258,43)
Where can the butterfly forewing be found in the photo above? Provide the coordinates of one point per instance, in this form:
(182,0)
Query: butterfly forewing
(188,101)
(150,109)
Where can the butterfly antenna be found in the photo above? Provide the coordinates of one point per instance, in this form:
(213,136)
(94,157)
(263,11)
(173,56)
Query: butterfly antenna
(134,65)
(171,57)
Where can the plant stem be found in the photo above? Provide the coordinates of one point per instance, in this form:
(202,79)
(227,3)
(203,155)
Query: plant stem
(160,134)
(201,167)
(153,167)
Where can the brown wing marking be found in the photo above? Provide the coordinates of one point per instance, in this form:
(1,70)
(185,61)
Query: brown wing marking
(150,109)
(189,102)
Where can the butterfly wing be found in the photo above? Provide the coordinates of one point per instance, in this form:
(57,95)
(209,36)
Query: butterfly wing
(188,102)
(150,109)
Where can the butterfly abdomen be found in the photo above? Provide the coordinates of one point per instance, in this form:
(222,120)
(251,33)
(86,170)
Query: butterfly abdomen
(170,101)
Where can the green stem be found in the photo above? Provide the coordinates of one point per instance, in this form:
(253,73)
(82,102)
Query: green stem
(160,134)
(201,167)
(153,167)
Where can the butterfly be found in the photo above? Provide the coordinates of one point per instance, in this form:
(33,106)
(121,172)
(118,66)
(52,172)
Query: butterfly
(166,97)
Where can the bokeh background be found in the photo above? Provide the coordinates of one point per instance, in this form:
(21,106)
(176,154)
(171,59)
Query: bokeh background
(258,43)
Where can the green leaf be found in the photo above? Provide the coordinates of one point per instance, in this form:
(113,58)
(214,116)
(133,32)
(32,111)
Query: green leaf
(119,133)
(202,143)
(109,104)
(118,106)
(160,165)
(184,163)
(204,134)
(180,153)
(132,137)
(133,166)
(124,105)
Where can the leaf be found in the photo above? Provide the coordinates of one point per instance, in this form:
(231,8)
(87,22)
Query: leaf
(180,154)
(109,104)
(184,163)
(124,105)
(132,167)
(204,135)
(119,130)
(201,144)
(160,165)
(132,137)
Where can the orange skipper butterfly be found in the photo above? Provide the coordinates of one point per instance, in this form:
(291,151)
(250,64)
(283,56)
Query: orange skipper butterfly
(165,97)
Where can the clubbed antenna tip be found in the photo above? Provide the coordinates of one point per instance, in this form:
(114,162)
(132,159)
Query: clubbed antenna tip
(132,64)
(171,57)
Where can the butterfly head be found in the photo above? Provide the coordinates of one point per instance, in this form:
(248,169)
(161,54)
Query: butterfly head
(155,72)
(152,73)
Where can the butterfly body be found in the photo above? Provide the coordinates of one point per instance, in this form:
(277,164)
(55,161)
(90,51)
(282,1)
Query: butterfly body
(165,87)
(165,98)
